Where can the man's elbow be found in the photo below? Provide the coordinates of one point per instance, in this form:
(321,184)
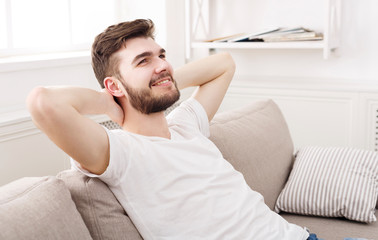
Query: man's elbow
(230,64)
(38,104)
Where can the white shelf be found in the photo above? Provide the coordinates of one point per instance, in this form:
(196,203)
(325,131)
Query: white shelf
(261,45)
(198,15)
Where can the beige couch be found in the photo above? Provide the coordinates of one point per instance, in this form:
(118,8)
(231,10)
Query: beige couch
(255,139)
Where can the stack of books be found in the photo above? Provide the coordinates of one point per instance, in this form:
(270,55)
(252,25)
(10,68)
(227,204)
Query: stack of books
(277,34)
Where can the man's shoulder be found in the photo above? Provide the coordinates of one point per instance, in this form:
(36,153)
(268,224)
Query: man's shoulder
(189,115)
(190,104)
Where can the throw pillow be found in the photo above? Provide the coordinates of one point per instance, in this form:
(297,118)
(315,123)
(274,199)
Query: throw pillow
(332,182)
(100,210)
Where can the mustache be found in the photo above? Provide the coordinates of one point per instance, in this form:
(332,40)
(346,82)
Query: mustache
(159,77)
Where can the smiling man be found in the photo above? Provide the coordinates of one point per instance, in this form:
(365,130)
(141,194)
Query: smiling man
(140,72)
(171,179)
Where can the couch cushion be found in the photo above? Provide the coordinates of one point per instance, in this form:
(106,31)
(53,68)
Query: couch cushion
(335,228)
(255,139)
(332,182)
(102,213)
(39,208)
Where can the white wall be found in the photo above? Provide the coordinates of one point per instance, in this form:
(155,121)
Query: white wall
(326,102)
(25,151)
(147,9)
(30,156)
(358,51)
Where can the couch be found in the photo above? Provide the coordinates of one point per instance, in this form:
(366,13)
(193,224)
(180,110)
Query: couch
(254,138)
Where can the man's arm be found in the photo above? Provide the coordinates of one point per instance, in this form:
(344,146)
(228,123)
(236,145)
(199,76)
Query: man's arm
(213,75)
(59,113)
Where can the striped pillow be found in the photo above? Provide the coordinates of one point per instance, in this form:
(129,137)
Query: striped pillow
(332,182)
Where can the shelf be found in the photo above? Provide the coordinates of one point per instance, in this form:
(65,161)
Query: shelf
(261,45)
(197,14)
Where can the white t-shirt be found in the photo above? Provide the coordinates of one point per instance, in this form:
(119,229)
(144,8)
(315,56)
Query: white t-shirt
(183,188)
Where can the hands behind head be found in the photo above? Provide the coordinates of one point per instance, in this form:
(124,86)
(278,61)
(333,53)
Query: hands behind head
(114,110)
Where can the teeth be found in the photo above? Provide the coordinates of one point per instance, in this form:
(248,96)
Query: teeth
(162,82)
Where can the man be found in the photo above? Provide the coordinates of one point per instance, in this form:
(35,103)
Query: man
(170,178)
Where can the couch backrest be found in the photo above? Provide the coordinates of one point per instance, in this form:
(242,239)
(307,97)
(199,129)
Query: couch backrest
(255,139)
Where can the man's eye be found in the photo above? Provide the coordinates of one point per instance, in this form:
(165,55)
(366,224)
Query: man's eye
(142,61)
(162,56)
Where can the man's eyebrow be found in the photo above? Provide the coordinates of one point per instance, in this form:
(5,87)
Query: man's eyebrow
(142,55)
(145,54)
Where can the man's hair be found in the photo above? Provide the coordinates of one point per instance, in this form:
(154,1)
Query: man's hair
(104,62)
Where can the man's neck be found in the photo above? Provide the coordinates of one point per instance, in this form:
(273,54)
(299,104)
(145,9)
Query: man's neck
(154,124)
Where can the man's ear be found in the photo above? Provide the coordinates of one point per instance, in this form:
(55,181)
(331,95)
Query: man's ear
(112,85)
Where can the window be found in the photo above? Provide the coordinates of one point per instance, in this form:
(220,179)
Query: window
(3,25)
(35,26)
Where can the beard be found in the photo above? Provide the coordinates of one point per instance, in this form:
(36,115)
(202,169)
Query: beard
(146,102)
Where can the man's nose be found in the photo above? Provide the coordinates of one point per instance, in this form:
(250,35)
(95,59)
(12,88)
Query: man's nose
(161,65)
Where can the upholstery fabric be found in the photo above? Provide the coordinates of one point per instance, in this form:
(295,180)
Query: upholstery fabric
(102,213)
(332,182)
(39,208)
(255,139)
(334,228)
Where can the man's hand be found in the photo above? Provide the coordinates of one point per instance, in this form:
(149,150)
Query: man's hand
(114,110)
(213,75)
(59,113)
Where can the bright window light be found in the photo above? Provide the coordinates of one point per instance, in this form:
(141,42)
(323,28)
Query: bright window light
(89,18)
(42,26)
(3,25)
(40,23)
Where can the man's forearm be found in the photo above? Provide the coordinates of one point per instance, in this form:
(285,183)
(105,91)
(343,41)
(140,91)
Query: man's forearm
(213,76)
(202,71)
(58,112)
(61,101)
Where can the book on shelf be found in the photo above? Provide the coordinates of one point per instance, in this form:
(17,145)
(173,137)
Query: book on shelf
(288,34)
(275,34)
(245,37)
(225,38)
(241,36)
(305,36)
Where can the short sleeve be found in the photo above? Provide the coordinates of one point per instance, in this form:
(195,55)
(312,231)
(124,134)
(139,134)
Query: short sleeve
(190,113)
(116,168)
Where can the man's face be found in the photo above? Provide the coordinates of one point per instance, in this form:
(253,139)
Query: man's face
(147,76)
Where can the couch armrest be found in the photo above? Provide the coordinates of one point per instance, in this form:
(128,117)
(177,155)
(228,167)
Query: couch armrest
(39,208)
